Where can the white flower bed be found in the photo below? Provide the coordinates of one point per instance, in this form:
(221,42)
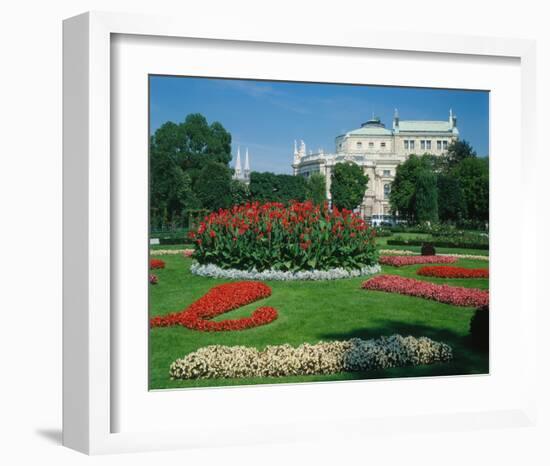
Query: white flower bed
(213,271)
(218,361)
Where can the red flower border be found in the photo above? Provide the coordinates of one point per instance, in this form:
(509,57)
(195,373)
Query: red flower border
(156,264)
(456,295)
(445,271)
(219,300)
(399,261)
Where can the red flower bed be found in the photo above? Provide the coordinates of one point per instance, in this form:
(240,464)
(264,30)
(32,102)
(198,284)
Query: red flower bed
(445,271)
(447,294)
(218,300)
(399,261)
(300,236)
(156,264)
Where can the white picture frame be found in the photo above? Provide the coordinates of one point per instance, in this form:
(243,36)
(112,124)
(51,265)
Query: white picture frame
(88,400)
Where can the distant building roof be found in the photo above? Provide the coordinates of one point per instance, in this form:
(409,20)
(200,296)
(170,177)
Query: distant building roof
(424,126)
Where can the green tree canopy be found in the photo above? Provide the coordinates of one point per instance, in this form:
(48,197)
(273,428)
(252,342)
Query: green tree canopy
(450,197)
(473,175)
(269,187)
(348,185)
(458,151)
(239,192)
(193,142)
(213,186)
(316,188)
(425,197)
(403,188)
(170,189)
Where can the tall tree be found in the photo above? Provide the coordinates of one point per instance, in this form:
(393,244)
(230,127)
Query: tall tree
(193,142)
(403,188)
(450,198)
(170,189)
(348,185)
(425,197)
(316,190)
(473,175)
(458,151)
(213,186)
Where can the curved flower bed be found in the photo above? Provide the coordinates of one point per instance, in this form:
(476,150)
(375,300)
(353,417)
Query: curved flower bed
(219,361)
(470,256)
(213,271)
(218,300)
(456,295)
(156,264)
(399,261)
(272,236)
(445,271)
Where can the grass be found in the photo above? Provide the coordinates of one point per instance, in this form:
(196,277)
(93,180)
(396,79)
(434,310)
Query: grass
(310,312)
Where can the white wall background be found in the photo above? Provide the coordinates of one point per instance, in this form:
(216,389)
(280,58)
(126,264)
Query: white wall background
(30,197)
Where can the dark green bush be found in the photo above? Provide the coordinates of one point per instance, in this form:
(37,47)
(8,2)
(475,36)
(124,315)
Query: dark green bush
(479,328)
(465,241)
(427,249)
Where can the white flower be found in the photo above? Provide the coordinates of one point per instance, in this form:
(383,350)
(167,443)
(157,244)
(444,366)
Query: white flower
(218,361)
(213,271)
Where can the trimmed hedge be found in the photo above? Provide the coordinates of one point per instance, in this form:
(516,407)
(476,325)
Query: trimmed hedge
(454,242)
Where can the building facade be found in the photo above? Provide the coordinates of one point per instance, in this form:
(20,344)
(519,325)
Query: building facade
(378,150)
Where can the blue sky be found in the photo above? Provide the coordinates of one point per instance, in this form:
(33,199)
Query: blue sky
(267,116)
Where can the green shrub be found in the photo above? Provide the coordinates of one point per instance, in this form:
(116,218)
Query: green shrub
(427,249)
(464,241)
(479,328)
(302,236)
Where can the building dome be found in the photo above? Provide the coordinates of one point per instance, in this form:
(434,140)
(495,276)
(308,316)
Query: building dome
(374,122)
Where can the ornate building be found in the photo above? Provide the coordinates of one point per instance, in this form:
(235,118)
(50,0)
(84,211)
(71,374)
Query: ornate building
(240,174)
(379,151)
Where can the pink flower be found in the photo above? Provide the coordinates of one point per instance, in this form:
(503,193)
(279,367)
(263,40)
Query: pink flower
(456,295)
(398,261)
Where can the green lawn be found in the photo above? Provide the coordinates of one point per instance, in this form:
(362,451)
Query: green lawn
(310,312)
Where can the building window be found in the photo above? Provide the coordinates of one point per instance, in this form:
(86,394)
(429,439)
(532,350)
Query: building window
(423,144)
(359,145)
(382,144)
(386,173)
(371,144)
(429,145)
(438,145)
(406,143)
(411,145)
(445,144)
(387,191)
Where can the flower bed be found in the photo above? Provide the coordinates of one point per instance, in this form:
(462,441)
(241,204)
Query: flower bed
(447,294)
(398,252)
(172,252)
(218,361)
(399,261)
(443,271)
(271,236)
(213,271)
(218,300)
(156,264)
(153,279)
(469,256)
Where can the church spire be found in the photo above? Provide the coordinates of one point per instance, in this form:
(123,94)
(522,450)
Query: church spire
(238,163)
(246,162)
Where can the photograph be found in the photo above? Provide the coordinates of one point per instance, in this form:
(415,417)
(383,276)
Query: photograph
(315,232)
